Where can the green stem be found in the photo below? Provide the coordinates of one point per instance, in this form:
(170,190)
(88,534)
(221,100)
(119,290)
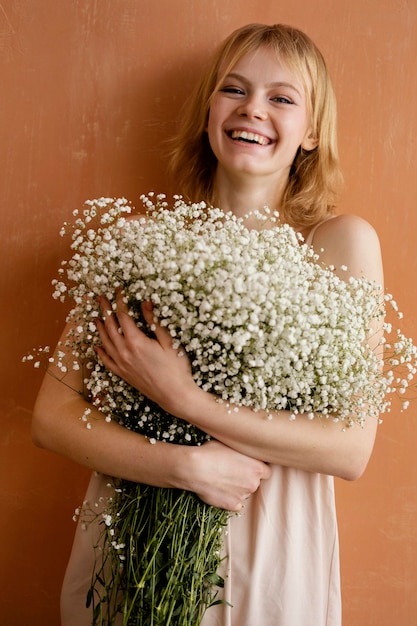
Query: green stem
(173,543)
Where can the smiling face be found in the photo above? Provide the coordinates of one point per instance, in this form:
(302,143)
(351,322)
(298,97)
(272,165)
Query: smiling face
(258,119)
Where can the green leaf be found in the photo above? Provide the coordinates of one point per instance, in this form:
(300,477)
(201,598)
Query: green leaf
(215,579)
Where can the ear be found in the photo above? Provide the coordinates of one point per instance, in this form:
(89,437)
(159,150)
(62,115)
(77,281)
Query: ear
(310,141)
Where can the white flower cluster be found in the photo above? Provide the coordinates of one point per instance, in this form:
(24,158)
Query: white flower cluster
(264,324)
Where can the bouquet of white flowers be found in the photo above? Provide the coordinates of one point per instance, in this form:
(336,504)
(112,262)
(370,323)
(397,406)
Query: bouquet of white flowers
(264,324)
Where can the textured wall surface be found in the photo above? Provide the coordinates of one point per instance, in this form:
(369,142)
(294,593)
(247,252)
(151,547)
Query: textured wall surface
(89,90)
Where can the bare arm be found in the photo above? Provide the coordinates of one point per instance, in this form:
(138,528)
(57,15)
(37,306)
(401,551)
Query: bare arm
(219,475)
(318,445)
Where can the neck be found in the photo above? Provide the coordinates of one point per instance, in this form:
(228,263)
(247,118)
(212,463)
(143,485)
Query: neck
(242,194)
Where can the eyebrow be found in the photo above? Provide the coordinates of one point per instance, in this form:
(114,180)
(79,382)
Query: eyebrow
(273,84)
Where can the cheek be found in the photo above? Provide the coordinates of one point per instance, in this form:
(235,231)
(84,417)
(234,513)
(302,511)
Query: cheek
(297,130)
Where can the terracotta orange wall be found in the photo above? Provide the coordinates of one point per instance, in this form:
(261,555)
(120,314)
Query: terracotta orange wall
(89,90)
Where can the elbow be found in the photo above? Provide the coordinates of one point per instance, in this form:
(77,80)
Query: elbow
(353,472)
(37,440)
(36,433)
(354,466)
(354,457)
(38,427)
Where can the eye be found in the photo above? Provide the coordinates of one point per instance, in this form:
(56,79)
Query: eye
(233,90)
(282,100)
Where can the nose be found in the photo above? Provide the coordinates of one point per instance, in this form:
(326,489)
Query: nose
(252,108)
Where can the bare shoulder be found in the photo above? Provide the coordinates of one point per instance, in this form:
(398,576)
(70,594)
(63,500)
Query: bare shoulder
(345,227)
(349,240)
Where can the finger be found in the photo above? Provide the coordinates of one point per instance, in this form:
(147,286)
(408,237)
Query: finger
(109,327)
(107,360)
(128,327)
(267,472)
(107,312)
(147,312)
(122,305)
(162,335)
(107,351)
(106,341)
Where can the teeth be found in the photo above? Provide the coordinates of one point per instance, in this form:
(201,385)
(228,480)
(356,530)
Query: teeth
(252,137)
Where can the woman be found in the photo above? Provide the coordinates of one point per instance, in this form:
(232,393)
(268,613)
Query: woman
(259,131)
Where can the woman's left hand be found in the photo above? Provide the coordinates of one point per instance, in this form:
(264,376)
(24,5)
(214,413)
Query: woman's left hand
(151,365)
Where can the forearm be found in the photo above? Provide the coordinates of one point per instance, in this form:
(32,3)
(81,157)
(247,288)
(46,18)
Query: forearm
(106,447)
(218,474)
(317,445)
(154,367)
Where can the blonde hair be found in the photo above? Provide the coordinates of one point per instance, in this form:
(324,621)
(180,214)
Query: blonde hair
(315,175)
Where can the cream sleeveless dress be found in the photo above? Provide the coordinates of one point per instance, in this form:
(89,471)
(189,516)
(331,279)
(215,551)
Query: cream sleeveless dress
(281,565)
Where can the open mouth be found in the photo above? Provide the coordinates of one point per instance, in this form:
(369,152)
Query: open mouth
(247,137)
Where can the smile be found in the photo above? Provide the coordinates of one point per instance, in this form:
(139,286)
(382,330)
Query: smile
(247,137)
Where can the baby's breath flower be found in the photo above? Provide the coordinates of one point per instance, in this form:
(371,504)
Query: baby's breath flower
(264,325)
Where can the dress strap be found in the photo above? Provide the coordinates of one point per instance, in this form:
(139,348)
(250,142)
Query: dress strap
(310,236)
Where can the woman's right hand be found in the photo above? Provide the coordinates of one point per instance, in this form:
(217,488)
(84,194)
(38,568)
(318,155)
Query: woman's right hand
(221,476)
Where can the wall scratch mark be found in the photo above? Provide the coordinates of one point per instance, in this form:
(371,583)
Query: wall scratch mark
(7,34)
